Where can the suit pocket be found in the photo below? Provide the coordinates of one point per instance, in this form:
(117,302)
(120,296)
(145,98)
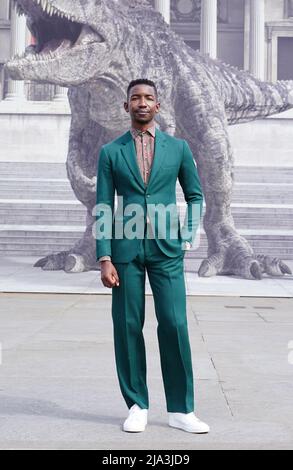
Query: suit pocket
(169,168)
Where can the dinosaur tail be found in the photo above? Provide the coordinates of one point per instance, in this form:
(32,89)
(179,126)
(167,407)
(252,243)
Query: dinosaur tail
(254,99)
(245,97)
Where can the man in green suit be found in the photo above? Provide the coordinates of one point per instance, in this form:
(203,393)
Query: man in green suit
(144,234)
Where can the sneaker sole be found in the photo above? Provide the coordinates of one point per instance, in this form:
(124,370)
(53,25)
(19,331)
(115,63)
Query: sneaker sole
(129,430)
(183,428)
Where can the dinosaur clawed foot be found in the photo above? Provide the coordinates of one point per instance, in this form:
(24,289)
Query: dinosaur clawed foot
(244,265)
(65,260)
(273,266)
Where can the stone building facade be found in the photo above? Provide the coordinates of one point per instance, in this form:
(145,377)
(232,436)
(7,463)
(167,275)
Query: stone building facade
(255,35)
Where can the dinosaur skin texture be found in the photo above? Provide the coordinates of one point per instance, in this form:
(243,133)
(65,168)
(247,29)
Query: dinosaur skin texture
(108,43)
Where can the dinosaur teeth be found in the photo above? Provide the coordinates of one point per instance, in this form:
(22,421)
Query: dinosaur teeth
(48,8)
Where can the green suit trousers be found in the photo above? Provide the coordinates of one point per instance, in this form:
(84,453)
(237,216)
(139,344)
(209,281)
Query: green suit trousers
(166,277)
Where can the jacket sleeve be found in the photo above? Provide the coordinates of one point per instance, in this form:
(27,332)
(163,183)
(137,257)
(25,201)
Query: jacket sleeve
(191,186)
(105,206)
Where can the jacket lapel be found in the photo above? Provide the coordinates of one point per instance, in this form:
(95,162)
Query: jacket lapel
(160,153)
(129,153)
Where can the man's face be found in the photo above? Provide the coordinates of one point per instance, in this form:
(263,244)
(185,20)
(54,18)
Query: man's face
(142,104)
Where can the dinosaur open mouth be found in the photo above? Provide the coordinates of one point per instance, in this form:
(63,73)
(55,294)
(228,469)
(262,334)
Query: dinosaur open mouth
(54,31)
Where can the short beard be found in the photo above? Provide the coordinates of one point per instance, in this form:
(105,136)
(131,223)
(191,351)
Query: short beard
(143,121)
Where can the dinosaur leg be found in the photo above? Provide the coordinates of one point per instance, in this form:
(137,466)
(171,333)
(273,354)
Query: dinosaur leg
(86,138)
(81,257)
(229,253)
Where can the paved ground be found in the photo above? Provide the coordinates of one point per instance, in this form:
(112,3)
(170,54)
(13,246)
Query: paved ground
(58,385)
(19,275)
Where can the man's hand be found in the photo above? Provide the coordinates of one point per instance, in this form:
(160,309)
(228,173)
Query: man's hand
(109,274)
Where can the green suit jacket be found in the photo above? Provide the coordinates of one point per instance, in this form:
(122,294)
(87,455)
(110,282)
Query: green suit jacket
(118,170)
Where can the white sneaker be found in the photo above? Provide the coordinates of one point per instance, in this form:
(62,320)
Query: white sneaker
(188,422)
(137,419)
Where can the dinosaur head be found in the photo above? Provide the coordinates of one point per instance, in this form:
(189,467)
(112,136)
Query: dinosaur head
(74,40)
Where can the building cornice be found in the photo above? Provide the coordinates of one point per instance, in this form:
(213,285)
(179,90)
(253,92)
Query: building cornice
(280,26)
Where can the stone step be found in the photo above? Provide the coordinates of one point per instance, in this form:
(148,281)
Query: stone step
(74,213)
(260,199)
(48,183)
(48,211)
(66,219)
(58,171)
(32,194)
(261,174)
(41,204)
(35,169)
(11,230)
(27,182)
(272,195)
(251,223)
(74,203)
(240,223)
(67,198)
(41,182)
(50,218)
(45,240)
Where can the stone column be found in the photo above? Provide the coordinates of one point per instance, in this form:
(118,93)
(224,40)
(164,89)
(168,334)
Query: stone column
(208,28)
(163,6)
(18,38)
(257,38)
(4,10)
(246,34)
(60,94)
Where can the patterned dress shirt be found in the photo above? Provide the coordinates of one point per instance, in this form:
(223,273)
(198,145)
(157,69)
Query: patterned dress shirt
(144,144)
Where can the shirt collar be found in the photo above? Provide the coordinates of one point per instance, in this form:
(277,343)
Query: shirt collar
(135,132)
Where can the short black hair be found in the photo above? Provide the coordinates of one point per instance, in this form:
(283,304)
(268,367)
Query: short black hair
(142,81)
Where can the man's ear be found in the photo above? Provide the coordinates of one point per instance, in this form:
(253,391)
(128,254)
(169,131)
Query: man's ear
(126,107)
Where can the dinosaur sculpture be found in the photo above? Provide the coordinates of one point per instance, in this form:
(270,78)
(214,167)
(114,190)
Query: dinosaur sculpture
(96,47)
